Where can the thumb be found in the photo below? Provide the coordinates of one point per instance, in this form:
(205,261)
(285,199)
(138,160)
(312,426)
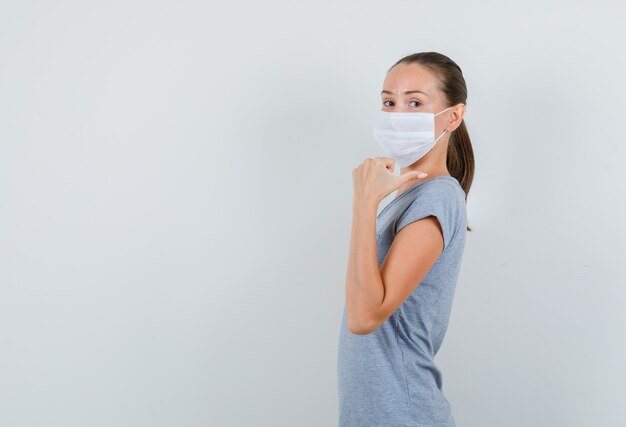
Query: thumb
(412,175)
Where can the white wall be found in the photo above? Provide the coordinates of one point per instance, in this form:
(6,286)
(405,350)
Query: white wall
(175,195)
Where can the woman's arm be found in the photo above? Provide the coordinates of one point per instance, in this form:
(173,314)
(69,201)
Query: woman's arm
(372,295)
(364,286)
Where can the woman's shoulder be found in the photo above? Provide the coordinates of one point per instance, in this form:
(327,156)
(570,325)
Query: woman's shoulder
(441,187)
(442,197)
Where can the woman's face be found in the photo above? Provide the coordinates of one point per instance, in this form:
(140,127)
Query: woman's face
(413,88)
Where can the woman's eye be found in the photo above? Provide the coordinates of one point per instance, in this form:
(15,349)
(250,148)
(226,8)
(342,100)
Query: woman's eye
(385,104)
(417,102)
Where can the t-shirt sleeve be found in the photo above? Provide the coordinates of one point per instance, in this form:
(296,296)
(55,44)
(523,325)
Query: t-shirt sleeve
(437,199)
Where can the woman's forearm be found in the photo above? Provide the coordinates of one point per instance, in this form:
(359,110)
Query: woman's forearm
(364,287)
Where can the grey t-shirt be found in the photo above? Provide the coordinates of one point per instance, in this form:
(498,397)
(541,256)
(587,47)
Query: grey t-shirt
(389,377)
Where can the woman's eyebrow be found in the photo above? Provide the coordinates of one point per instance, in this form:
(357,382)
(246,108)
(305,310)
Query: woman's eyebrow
(406,93)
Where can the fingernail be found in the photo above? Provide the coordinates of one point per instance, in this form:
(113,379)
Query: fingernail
(422,175)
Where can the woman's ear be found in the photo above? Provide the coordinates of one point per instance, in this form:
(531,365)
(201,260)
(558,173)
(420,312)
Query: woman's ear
(458,112)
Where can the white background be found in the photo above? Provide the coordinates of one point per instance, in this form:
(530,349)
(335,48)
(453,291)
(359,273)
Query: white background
(175,207)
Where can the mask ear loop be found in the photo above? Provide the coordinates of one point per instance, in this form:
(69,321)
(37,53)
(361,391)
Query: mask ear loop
(442,111)
(444,131)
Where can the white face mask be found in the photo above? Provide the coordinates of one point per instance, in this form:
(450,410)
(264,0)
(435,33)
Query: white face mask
(406,137)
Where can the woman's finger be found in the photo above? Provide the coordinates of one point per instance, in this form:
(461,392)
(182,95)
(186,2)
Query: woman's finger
(406,177)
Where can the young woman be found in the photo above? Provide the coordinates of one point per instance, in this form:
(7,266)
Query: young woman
(404,263)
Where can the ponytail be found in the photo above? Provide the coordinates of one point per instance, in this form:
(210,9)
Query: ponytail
(460,160)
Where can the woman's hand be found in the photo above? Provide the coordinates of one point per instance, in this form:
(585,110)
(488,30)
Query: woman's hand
(374,179)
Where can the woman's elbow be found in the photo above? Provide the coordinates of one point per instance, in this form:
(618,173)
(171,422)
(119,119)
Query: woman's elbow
(361,328)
